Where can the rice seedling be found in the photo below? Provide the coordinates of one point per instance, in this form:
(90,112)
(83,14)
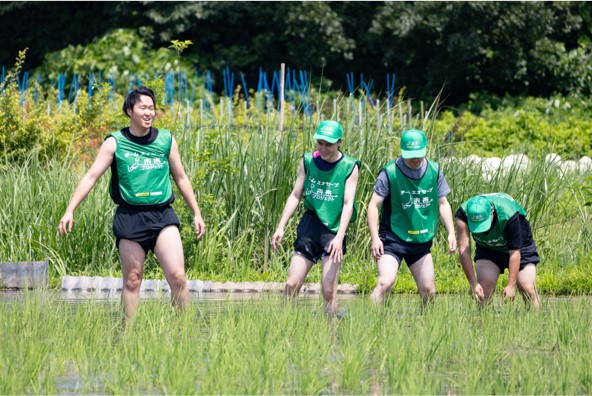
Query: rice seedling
(259,346)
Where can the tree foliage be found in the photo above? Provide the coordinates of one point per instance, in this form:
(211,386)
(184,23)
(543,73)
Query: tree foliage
(515,48)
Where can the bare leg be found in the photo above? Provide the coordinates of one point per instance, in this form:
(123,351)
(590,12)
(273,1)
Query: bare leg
(388,266)
(169,252)
(487,274)
(132,268)
(329,281)
(527,285)
(425,278)
(299,267)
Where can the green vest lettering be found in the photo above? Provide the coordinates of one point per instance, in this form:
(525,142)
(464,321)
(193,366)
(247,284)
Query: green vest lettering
(505,207)
(324,190)
(143,171)
(414,203)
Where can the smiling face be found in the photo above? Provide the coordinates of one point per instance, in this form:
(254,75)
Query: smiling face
(329,151)
(142,115)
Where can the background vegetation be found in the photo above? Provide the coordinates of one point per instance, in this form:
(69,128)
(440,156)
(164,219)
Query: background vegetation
(516,48)
(243,167)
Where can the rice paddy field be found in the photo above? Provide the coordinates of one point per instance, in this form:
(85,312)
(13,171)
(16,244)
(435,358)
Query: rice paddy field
(242,167)
(260,346)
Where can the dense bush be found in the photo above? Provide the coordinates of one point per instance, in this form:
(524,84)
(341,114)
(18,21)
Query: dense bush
(121,54)
(532,126)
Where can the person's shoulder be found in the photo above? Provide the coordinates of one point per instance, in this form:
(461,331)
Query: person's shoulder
(392,163)
(161,132)
(109,144)
(433,165)
(115,134)
(351,161)
(349,157)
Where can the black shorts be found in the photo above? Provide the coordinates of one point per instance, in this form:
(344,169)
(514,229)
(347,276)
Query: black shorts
(313,237)
(528,255)
(142,226)
(400,249)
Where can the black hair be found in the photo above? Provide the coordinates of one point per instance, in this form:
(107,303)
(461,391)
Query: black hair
(134,96)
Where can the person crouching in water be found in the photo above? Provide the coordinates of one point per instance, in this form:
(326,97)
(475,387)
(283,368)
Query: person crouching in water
(328,179)
(142,159)
(503,237)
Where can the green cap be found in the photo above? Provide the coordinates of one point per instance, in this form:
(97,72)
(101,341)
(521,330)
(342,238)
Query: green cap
(413,144)
(479,214)
(329,131)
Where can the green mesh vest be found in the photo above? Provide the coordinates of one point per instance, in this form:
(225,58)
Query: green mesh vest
(505,207)
(414,203)
(143,171)
(324,190)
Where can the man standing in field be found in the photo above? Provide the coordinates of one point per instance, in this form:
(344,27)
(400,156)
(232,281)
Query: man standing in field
(142,159)
(504,240)
(328,179)
(412,192)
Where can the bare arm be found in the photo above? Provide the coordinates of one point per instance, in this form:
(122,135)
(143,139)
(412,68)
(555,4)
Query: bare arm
(289,208)
(185,188)
(446,216)
(373,213)
(464,248)
(513,269)
(336,245)
(102,162)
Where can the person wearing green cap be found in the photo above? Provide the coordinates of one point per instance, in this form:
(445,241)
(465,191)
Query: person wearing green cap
(503,237)
(327,178)
(412,193)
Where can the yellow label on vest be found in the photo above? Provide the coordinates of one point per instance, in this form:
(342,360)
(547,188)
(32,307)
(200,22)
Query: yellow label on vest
(416,232)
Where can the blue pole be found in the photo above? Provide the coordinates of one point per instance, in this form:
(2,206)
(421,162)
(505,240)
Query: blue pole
(73,87)
(350,82)
(288,88)
(245,89)
(91,81)
(61,85)
(390,88)
(275,82)
(231,85)
(111,81)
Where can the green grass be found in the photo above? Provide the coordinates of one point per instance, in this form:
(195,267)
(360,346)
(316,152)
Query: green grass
(259,346)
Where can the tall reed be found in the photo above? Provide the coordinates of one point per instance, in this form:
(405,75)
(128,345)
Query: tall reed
(243,169)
